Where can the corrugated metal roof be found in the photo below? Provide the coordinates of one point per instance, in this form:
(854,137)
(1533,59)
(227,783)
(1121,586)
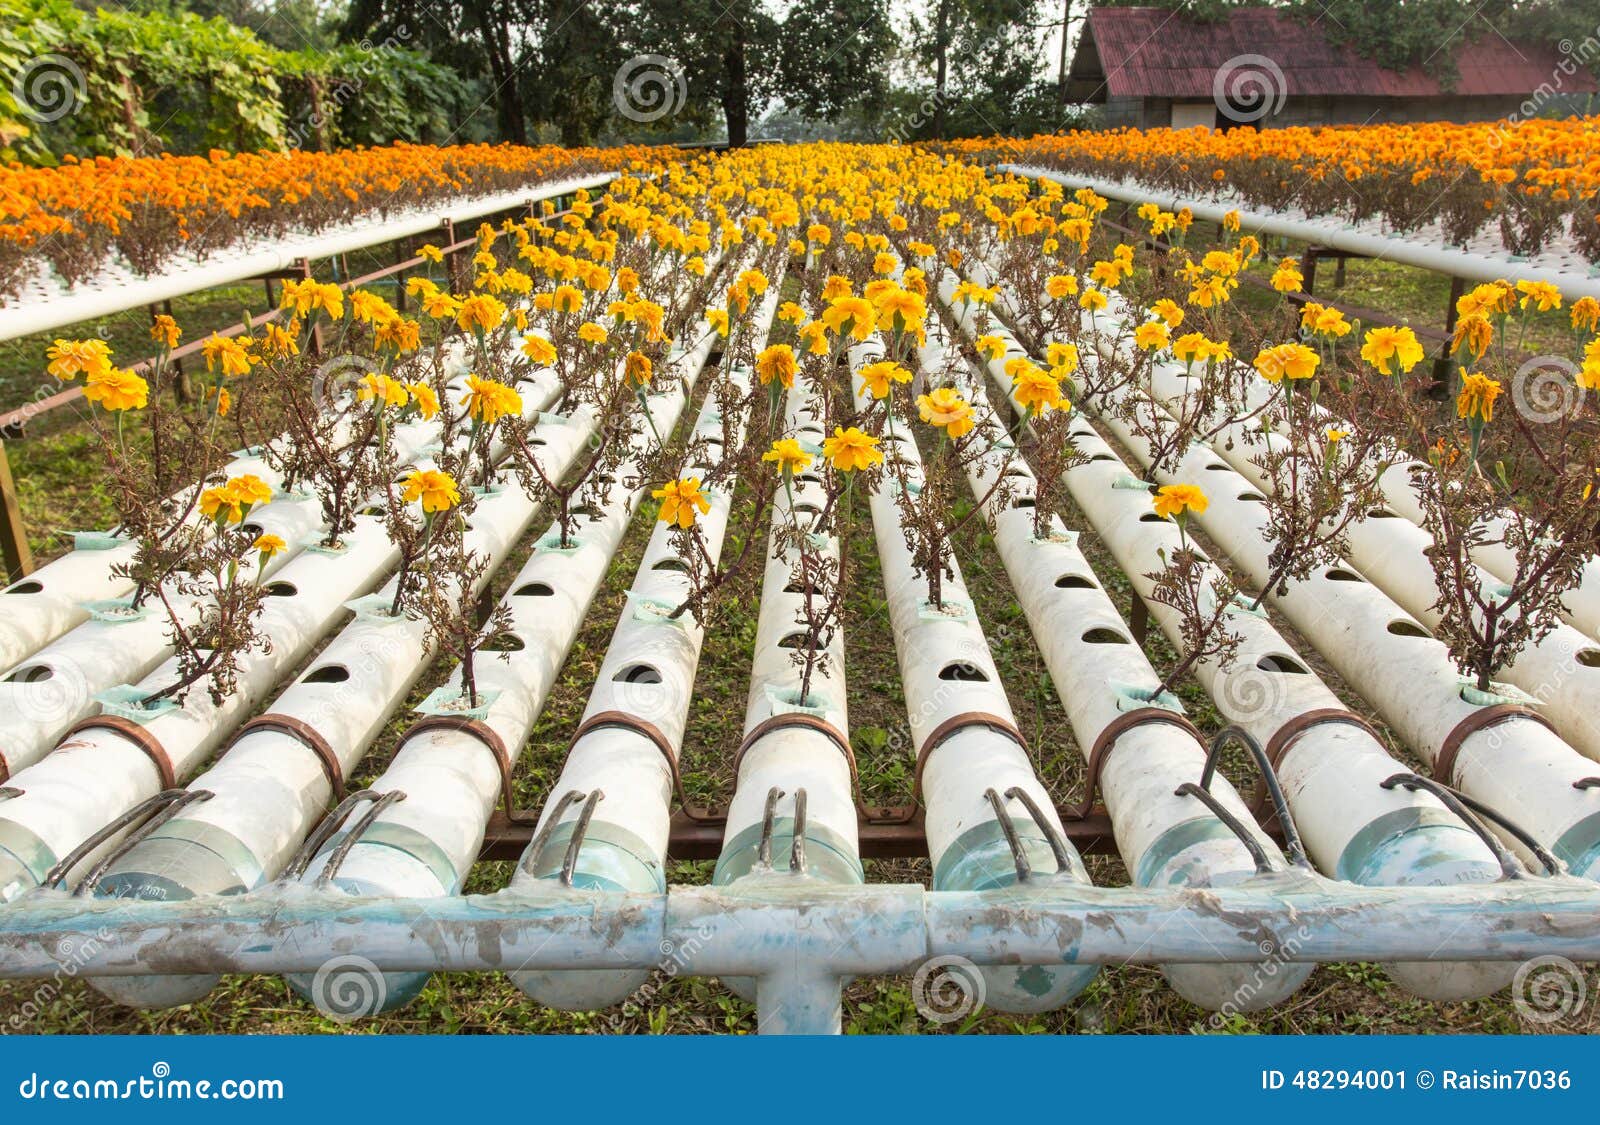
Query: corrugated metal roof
(1159,52)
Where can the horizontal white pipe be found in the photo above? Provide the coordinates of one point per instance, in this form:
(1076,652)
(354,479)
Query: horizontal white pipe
(114,294)
(1440,259)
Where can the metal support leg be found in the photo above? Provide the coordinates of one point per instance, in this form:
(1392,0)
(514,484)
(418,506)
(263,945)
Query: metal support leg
(13,536)
(798,1002)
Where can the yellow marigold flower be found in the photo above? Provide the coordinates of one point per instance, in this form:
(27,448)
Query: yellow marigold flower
(945,409)
(815,337)
(1152,335)
(1230,221)
(877,377)
(1588,376)
(1035,390)
(1287,278)
(754,281)
(1585,313)
(1169,311)
(224,400)
(267,545)
(71,358)
(368,307)
(1107,275)
(776,362)
(1286,361)
(1092,299)
(884,264)
(850,315)
(788,455)
(819,234)
(279,341)
(1062,356)
(680,500)
(307,296)
(1191,346)
(398,334)
(1544,296)
(424,398)
(117,389)
(791,313)
(165,331)
(428,252)
(489,400)
(1475,333)
(637,369)
(849,450)
(434,487)
(920,249)
(382,389)
(972,291)
(836,287)
(627,280)
(1060,286)
(990,347)
(566,299)
(591,332)
(481,313)
(539,350)
(1172,500)
(226,354)
(1385,345)
(1335,436)
(718,320)
(1476,400)
(900,309)
(440,305)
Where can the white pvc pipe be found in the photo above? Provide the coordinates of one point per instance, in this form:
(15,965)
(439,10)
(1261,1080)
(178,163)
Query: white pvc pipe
(114,294)
(648,673)
(946,670)
(1440,259)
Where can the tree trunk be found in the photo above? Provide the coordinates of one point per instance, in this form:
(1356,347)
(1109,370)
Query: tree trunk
(1061,78)
(941,77)
(736,91)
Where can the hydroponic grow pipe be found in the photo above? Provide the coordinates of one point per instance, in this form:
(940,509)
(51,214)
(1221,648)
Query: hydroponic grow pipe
(114,295)
(453,776)
(1439,259)
(984,803)
(57,686)
(1331,765)
(629,742)
(793,814)
(1508,759)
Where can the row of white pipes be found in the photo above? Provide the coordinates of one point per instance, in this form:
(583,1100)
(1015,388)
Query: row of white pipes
(424,845)
(1331,772)
(1362,618)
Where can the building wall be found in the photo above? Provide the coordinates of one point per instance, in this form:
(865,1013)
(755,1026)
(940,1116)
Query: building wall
(1155,113)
